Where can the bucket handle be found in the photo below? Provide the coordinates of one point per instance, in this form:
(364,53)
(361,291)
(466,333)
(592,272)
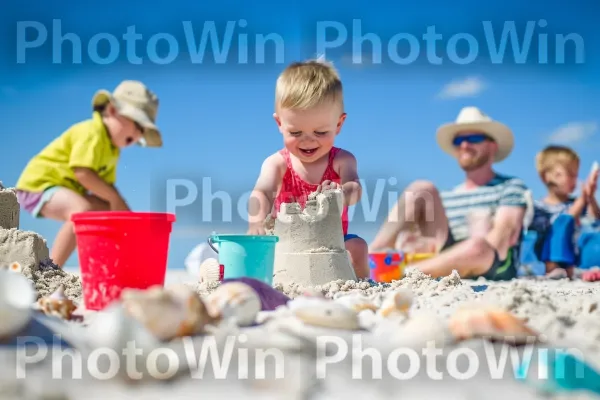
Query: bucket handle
(209,240)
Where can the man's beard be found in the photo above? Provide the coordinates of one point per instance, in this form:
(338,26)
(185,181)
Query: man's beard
(474,162)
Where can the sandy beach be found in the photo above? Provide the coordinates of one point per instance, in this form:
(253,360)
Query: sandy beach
(325,363)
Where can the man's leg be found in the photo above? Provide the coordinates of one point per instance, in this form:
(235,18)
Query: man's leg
(419,205)
(471,257)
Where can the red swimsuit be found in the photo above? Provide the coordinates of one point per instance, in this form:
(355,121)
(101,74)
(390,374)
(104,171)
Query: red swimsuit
(294,188)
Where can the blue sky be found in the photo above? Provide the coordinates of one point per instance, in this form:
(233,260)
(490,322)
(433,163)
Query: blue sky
(217,117)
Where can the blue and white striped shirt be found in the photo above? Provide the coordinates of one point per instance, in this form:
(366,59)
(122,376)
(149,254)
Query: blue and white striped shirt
(500,191)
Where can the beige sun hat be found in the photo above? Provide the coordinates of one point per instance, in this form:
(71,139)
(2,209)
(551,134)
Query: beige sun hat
(134,100)
(472,119)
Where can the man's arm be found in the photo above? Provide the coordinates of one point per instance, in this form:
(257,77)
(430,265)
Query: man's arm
(508,221)
(263,194)
(348,171)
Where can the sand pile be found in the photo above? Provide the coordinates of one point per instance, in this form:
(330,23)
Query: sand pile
(311,247)
(47,277)
(30,250)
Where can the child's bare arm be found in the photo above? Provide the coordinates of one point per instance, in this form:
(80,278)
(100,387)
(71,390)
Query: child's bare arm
(90,180)
(263,194)
(577,207)
(348,171)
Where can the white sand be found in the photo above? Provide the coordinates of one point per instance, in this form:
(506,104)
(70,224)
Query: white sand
(567,313)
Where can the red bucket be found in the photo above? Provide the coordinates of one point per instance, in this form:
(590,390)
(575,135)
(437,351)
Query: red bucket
(118,250)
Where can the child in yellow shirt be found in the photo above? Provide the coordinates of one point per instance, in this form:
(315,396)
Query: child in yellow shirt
(76,172)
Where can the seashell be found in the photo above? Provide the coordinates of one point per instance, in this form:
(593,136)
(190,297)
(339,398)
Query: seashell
(13,267)
(16,297)
(357,303)
(117,330)
(397,303)
(210,271)
(328,314)
(491,322)
(235,300)
(168,313)
(420,330)
(57,304)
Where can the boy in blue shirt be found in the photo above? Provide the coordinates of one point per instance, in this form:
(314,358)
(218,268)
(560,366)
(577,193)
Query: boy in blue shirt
(557,216)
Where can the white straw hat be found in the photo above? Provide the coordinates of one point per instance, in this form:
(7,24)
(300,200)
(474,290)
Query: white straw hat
(472,119)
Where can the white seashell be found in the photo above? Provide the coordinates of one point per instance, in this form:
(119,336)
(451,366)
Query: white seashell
(396,304)
(16,298)
(357,302)
(367,319)
(328,315)
(116,330)
(13,267)
(235,300)
(210,270)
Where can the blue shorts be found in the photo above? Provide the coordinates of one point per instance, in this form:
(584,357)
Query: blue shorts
(350,236)
(557,244)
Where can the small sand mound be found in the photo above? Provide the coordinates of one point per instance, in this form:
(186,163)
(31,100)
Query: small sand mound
(47,277)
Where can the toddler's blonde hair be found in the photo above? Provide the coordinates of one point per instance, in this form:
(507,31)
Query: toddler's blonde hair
(307,84)
(554,155)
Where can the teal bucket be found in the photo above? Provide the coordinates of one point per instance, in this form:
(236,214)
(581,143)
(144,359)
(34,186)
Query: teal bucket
(251,256)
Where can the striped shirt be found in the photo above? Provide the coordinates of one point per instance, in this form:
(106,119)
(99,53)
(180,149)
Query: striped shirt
(500,191)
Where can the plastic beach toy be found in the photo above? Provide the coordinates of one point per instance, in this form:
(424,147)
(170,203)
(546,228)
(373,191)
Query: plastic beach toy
(389,266)
(251,256)
(119,250)
(559,371)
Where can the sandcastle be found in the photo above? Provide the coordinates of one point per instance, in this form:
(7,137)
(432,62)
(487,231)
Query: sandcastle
(311,248)
(27,248)
(30,250)
(9,208)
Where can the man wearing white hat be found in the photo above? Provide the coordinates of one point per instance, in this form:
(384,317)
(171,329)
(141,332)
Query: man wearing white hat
(495,202)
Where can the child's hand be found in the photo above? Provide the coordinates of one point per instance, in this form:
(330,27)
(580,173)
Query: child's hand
(327,185)
(591,185)
(257,229)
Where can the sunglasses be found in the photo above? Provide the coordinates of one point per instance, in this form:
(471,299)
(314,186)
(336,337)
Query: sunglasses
(471,139)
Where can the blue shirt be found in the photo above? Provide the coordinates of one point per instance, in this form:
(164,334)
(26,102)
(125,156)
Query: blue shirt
(545,214)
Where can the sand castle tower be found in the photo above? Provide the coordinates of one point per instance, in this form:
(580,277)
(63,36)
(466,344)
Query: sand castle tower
(311,247)
(27,248)
(9,208)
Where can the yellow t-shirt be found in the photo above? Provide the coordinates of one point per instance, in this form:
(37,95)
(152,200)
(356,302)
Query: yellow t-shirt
(85,144)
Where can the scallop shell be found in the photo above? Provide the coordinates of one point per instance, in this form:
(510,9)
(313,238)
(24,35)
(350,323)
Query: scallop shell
(16,297)
(328,314)
(210,270)
(235,300)
(397,303)
(492,322)
(168,313)
(57,304)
